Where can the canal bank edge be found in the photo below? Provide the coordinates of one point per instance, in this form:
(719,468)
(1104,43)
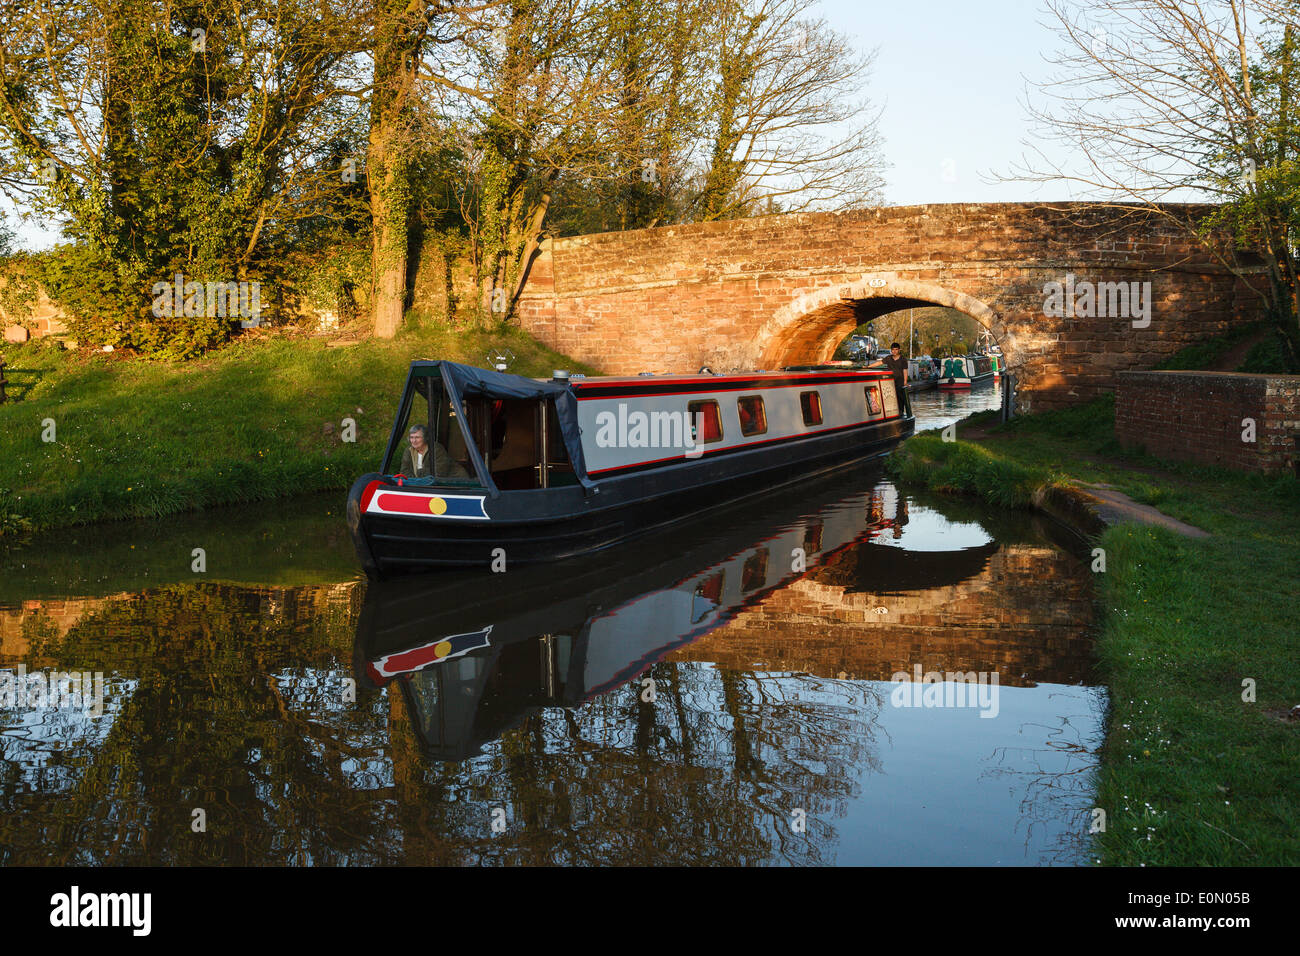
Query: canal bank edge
(93,437)
(1093,508)
(961,466)
(1194,640)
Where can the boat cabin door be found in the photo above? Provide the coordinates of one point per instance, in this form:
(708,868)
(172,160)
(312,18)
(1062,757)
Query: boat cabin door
(520,441)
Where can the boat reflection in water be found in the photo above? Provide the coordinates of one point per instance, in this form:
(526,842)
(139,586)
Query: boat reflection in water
(793,624)
(478,654)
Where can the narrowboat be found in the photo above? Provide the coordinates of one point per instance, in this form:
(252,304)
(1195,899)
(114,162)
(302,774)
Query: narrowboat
(922,374)
(961,372)
(990,348)
(487,469)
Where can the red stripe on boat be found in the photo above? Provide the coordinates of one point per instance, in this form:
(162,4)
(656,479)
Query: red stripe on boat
(405,504)
(367,493)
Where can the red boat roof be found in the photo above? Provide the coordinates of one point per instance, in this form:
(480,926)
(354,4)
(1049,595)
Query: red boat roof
(708,379)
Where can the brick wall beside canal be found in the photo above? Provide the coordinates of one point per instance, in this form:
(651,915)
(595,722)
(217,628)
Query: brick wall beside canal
(1206,417)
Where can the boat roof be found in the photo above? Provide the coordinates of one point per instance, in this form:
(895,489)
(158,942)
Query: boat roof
(707,377)
(701,378)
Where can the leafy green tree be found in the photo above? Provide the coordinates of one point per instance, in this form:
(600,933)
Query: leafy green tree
(190,146)
(399,32)
(1262,192)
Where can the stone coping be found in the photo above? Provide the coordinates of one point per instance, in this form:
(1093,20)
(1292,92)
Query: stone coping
(1151,375)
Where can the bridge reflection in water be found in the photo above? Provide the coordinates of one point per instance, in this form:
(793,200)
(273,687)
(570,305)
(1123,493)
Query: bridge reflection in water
(716,694)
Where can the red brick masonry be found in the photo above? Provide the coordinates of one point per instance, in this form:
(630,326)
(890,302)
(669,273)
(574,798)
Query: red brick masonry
(783,290)
(1199,416)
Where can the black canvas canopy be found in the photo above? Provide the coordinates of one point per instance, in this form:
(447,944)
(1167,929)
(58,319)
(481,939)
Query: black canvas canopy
(466,381)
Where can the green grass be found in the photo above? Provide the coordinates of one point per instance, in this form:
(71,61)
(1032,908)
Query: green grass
(1190,775)
(963,468)
(138,438)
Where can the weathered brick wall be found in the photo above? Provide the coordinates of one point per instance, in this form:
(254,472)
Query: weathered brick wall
(778,290)
(1200,417)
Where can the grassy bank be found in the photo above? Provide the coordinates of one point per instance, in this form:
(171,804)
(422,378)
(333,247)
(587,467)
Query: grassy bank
(259,420)
(1191,775)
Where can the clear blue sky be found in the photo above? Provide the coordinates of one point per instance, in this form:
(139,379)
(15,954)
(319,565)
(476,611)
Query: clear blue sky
(949,74)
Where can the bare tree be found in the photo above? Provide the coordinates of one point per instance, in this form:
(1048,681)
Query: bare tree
(791,125)
(1157,101)
(542,102)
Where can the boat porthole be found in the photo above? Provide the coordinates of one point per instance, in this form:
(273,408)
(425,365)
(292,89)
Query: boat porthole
(437,506)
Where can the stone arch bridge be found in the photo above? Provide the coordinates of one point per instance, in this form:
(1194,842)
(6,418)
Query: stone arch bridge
(784,290)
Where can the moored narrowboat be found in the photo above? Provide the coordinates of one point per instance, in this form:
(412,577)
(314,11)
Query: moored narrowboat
(922,374)
(486,469)
(961,372)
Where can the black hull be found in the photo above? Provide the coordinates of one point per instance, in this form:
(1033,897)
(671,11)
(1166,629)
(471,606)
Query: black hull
(557,523)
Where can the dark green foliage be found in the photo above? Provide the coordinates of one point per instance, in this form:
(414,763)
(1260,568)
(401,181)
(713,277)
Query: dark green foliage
(1203,355)
(210,166)
(967,469)
(1267,357)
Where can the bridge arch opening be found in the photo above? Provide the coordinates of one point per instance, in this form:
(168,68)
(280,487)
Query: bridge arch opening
(808,329)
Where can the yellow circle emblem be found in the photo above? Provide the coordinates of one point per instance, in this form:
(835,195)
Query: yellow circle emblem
(437,506)
(443,648)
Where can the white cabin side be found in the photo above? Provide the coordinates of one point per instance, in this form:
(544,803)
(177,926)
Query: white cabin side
(620,432)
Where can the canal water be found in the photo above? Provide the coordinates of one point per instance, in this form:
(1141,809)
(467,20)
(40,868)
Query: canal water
(937,409)
(729,692)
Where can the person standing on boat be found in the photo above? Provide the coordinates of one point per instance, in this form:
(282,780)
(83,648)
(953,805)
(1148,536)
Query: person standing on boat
(895,362)
(419,460)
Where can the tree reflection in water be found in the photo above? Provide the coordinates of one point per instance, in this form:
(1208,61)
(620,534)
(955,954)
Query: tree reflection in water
(712,772)
(288,771)
(1058,780)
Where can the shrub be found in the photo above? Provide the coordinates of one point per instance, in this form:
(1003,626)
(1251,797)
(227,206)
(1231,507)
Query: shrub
(1265,357)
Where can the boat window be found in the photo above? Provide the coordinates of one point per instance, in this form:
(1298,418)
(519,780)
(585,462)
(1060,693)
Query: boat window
(753,418)
(426,406)
(521,442)
(408,416)
(706,419)
(873,399)
(559,468)
(811,403)
(708,595)
(754,574)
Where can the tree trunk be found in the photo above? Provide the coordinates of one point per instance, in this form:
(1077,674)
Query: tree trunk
(530,247)
(400,32)
(389,267)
